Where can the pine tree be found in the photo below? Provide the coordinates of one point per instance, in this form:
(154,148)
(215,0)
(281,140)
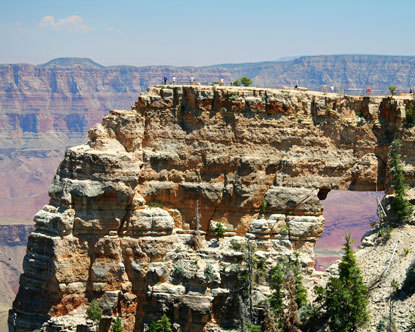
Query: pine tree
(300,291)
(117,325)
(94,311)
(346,296)
(162,325)
(400,206)
(277,285)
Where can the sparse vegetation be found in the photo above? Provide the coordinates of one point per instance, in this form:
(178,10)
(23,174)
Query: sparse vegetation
(406,251)
(235,245)
(94,311)
(410,115)
(411,326)
(234,97)
(155,204)
(392,90)
(162,325)
(236,83)
(219,230)
(179,271)
(263,208)
(328,109)
(400,206)
(385,233)
(253,327)
(246,81)
(285,229)
(209,272)
(381,326)
(117,325)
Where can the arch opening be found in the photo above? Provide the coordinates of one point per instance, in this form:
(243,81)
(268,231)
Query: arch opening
(344,212)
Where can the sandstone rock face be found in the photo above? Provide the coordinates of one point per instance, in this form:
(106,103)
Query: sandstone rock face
(122,223)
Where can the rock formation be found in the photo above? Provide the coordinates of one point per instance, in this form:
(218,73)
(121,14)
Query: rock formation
(46,108)
(122,223)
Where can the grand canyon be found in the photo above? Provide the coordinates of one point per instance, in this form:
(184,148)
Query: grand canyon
(48,108)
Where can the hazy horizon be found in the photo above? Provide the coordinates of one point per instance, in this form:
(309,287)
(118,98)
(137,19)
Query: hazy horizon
(283,59)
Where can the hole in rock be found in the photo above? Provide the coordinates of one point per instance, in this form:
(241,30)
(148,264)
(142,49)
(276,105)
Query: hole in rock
(344,212)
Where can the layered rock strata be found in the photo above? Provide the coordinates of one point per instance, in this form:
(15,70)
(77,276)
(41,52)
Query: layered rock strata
(132,214)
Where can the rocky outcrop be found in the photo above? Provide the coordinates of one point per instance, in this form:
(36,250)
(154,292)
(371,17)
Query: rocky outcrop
(122,223)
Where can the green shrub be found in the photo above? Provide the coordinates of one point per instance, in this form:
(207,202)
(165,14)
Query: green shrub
(385,233)
(328,109)
(285,229)
(406,251)
(209,272)
(155,204)
(263,208)
(300,291)
(246,81)
(410,115)
(400,206)
(277,283)
(220,230)
(234,97)
(117,325)
(412,322)
(253,327)
(162,325)
(236,83)
(235,245)
(94,311)
(392,90)
(381,326)
(179,271)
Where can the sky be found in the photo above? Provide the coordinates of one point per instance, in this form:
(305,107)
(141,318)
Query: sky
(201,32)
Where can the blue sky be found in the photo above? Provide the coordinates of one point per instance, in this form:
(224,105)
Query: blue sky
(201,32)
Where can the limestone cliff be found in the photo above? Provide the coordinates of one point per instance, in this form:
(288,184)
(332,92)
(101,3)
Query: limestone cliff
(121,224)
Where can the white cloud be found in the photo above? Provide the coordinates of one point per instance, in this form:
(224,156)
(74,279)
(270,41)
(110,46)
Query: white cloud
(74,21)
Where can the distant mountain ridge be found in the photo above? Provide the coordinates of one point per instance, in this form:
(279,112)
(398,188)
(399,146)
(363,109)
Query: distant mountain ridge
(343,70)
(72,62)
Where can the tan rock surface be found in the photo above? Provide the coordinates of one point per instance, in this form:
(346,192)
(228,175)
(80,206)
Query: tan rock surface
(122,214)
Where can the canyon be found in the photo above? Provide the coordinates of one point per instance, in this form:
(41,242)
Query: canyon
(132,213)
(47,108)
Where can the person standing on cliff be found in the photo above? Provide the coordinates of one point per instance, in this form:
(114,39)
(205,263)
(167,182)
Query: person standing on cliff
(368,90)
(174,80)
(165,78)
(192,79)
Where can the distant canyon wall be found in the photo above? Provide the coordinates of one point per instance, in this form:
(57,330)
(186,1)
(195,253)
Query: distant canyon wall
(45,109)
